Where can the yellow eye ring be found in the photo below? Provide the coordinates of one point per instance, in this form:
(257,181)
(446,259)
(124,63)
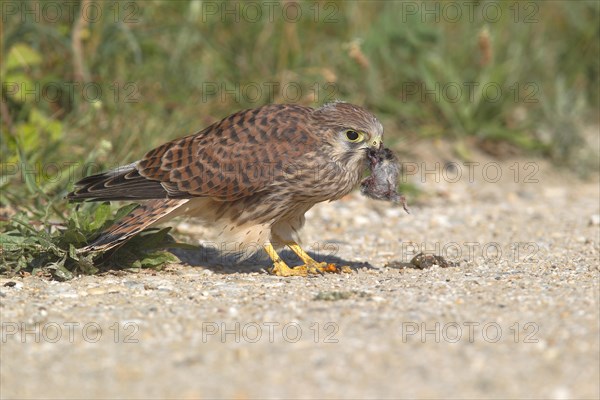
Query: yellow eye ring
(354,136)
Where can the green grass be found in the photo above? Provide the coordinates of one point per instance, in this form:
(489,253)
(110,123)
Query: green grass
(159,68)
(43,244)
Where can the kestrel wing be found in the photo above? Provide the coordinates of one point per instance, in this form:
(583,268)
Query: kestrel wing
(231,159)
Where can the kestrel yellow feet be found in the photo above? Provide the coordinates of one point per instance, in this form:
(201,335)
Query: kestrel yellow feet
(310,267)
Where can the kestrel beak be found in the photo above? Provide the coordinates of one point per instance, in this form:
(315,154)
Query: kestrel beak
(376,142)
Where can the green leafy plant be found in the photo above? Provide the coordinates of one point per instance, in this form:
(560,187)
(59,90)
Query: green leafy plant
(33,246)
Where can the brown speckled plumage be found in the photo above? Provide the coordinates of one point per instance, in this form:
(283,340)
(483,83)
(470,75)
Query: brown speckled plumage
(254,173)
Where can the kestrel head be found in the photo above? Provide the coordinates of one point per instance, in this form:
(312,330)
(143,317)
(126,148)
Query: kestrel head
(350,130)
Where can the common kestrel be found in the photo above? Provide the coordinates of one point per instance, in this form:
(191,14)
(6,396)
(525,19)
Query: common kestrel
(253,174)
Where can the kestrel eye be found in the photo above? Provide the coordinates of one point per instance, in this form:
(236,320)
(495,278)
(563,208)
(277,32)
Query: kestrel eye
(353,136)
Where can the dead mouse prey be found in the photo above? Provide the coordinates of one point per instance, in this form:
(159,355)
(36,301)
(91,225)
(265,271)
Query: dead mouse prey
(382,184)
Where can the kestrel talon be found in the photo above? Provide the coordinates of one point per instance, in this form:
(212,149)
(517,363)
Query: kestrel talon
(253,175)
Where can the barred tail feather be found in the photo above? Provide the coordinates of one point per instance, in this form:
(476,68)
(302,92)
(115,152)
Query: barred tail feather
(145,216)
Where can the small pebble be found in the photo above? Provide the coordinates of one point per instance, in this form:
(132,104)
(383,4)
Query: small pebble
(96,290)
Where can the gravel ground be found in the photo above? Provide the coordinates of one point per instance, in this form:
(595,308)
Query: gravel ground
(518,317)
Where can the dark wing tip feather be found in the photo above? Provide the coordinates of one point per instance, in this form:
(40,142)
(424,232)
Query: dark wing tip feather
(123,183)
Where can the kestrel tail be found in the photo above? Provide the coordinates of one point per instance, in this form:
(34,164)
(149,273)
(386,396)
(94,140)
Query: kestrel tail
(253,174)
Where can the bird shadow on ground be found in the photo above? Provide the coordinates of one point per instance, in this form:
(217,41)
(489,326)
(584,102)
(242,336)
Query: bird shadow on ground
(227,263)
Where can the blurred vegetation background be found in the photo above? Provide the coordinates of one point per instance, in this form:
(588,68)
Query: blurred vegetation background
(91,85)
